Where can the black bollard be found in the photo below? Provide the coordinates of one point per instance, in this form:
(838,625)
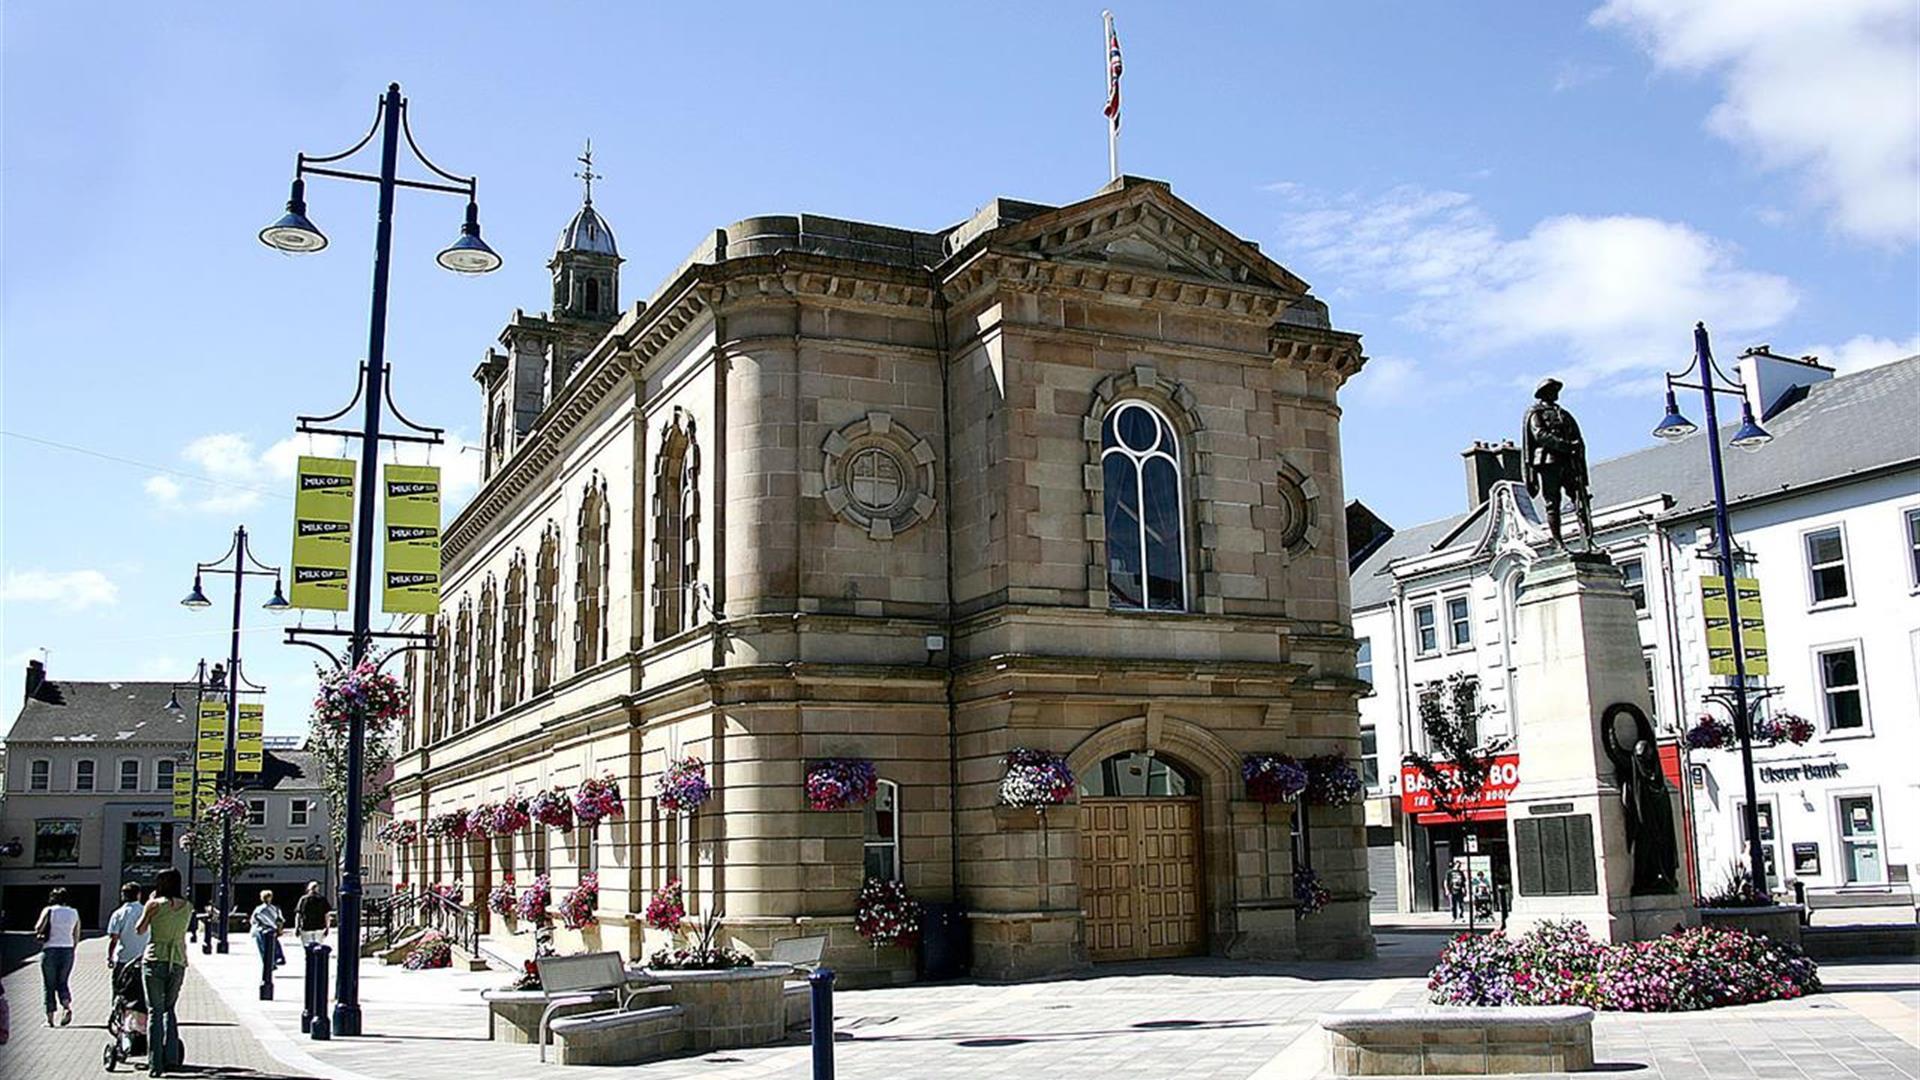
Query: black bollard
(321,1028)
(266,972)
(821,984)
(306,991)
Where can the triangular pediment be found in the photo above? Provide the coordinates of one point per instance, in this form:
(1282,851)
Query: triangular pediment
(1141,225)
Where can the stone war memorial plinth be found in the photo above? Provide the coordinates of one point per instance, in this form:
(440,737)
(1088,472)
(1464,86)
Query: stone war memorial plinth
(1592,824)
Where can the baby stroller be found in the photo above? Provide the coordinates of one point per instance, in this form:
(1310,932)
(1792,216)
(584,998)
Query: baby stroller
(127,1021)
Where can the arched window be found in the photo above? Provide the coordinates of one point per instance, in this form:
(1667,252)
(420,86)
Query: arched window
(484,638)
(463,664)
(513,639)
(1145,509)
(883,832)
(1140,774)
(442,659)
(590,579)
(496,437)
(676,512)
(546,602)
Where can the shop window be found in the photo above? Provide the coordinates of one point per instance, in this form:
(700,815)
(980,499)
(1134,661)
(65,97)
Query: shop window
(1459,623)
(1363,663)
(1860,841)
(1841,689)
(1827,566)
(83,774)
(1426,635)
(1370,755)
(56,842)
(883,832)
(129,774)
(256,813)
(1633,572)
(1769,838)
(39,775)
(1144,508)
(146,842)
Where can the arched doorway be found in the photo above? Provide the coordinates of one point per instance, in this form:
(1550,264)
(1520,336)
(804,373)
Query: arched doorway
(1140,859)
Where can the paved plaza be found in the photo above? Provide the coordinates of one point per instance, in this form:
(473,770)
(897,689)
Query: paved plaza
(1200,1019)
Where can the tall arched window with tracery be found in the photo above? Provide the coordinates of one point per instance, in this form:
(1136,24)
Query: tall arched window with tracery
(513,636)
(1145,509)
(463,664)
(485,637)
(437,689)
(546,606)
(590,578)
(676,531)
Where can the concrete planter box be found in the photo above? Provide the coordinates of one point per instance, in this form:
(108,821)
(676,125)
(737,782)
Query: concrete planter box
(1780,922)
(1440,1041)
(724,1010)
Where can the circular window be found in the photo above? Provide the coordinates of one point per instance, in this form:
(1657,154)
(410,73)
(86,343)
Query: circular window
(874,480)
(1138,428)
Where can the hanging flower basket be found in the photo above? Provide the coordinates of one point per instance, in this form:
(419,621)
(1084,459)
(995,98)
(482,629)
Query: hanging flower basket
(509,817)
(841,783)
(1710,733)
(480,821)
(400,832)
(552,808)
(576,911)
(1035,778)
(501,898)
(667,909)
(226,806)
(378,698)
(535,901)
(597,798)
(886,915)
(1273,778)
(1309,895)
(451,825)
(1784,728)
(1331,781)
(683,787)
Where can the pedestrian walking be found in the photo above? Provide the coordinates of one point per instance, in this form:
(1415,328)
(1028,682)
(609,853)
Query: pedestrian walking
(58,930)
(125,943)
(1457,890)
(266,923)
(310,915)
(165,970)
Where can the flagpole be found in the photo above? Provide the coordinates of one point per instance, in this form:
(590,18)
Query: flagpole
(1113,122)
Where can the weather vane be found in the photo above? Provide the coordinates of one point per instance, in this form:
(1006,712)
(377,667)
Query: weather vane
(586,174)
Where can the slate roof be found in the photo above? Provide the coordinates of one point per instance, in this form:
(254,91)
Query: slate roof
(64,710)
(289,770)
(1845,426)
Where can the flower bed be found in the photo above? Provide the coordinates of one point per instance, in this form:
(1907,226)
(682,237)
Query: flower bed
(597,798)
(841,783)
(1560,964)
(432,951)
(535,901)
(886,915)
(667,908)
(552,808)
(1036,778)
(576,910)
(683,787)
(1273,778)
(1331,781)
(1309,894)
(701,954)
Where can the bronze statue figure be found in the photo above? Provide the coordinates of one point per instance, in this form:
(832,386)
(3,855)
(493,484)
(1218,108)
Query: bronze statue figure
(1553,460)
(1628,736)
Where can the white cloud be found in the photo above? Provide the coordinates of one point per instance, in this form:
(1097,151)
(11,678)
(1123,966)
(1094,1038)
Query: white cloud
(1593,296)
(1865,351)
(1573,74)
(164,489)
(1826,88)
(73,590)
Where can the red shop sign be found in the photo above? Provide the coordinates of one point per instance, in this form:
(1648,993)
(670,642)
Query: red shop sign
(1489,804)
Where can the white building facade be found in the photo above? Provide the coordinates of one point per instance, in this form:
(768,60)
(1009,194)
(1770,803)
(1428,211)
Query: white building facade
(1826,518)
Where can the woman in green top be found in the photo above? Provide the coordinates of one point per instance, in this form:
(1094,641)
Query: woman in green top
(165,969)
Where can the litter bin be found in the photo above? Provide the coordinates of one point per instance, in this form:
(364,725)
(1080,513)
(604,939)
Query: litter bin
(945,941)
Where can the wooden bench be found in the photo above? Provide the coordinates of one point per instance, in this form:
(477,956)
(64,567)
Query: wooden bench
(1474,1041)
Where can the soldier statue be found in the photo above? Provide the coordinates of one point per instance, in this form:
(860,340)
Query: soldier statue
(1553,460)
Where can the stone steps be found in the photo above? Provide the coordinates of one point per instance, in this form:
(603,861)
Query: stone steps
(1830,942)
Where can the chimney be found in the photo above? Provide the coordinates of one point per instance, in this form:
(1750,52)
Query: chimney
(1487,464)
(1775,382)
(36,676)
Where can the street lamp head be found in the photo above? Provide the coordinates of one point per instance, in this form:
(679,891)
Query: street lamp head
(470,254)
(293,233)
(279,601)
(173,700)
(196,598)
(1751,435)
(1673,426)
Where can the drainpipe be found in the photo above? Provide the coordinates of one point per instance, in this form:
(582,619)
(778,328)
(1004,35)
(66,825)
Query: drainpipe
(946,478)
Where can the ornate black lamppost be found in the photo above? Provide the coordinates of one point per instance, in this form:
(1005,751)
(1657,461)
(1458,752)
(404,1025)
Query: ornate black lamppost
(244,566)
(468,254)
(1750,436)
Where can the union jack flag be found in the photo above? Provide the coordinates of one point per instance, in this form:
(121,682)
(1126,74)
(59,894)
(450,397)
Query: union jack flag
(1113,75)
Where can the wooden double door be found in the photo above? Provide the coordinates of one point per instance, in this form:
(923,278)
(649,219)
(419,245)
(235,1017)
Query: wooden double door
(1140,877)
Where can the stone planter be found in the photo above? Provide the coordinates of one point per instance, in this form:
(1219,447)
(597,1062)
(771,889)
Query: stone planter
(724,1010)
(1780,922)
(1435,1041)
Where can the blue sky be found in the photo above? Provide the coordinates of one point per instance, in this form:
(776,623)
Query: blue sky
(1487,192)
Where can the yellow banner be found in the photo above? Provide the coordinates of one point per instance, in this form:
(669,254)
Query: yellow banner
(322,534)
(1753,626)
(249,751)
(210,747)
(411,561)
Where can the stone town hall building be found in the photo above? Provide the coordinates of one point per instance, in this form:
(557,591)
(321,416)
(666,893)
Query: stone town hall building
(1055,477)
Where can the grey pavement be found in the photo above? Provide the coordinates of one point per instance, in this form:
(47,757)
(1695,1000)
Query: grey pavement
(1200,1018)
